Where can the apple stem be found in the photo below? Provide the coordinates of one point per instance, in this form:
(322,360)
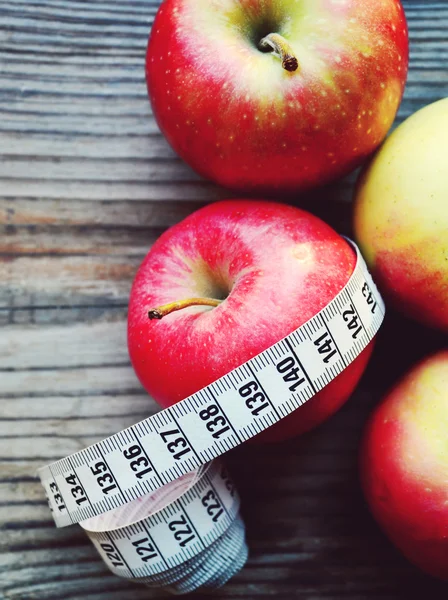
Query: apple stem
(166,309)
(281,48)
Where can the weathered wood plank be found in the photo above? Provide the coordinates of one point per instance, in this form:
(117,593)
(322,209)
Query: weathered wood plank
(61,315)
(17,538)
(109,590)
(64,407)
(91,191)
(64,241)
(57,124)
(58,147)
(101,170)
(82,345)
(73,382)
(92,427)
(78,213)
(105,214)
(33,281)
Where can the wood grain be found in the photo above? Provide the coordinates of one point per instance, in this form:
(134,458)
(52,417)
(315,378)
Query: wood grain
(88,183)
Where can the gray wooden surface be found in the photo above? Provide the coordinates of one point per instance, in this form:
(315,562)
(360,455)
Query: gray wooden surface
(86,184)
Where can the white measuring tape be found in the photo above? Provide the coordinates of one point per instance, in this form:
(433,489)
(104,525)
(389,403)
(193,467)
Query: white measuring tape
(154,505)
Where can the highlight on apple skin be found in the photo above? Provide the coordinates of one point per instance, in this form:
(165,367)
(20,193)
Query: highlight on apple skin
(255,271)
(401,216)
(404,465)
(268,96)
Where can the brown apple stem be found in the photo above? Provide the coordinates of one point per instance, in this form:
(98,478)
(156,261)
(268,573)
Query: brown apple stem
(166,309)
(281,48)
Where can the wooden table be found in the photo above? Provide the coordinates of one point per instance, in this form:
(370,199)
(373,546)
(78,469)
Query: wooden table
(87,184)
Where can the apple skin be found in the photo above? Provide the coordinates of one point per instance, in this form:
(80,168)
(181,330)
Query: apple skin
(401,216)
(239,119)
(275,265)
(404,465)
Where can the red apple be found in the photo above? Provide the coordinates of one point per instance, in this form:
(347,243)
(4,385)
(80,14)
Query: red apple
(401,216)
(404,465)
(268,95)
(272,266)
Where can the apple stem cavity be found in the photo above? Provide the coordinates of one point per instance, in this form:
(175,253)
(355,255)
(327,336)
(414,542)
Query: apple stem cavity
(166,309)
(281,48)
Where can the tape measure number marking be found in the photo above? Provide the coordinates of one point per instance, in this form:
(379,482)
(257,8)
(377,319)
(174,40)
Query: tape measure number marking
(147,539)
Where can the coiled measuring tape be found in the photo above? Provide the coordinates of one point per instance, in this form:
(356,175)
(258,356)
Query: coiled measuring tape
(150,498)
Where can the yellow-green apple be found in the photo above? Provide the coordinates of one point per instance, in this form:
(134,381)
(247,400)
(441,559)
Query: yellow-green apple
(232,279)
(269,95)
(401,216)
(404,465)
